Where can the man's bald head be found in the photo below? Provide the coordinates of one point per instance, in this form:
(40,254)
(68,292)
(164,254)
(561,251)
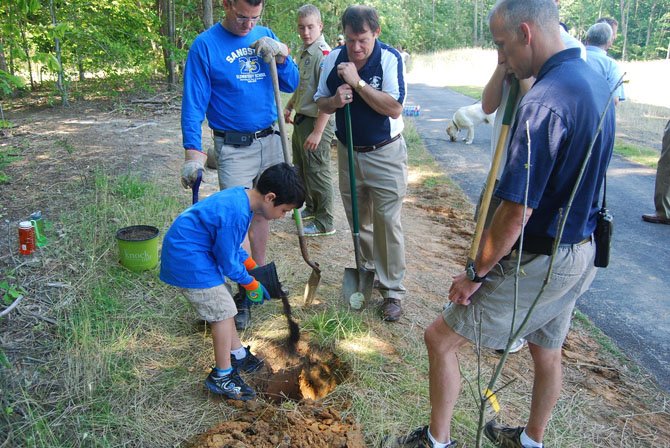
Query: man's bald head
(542,13)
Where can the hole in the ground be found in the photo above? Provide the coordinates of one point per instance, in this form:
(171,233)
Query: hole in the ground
(315,376)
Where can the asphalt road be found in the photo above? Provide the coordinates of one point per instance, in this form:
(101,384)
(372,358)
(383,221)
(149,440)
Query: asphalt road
(629,300)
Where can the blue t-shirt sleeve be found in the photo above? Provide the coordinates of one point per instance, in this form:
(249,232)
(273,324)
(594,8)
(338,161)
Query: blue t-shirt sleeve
(547,131)
(197,92)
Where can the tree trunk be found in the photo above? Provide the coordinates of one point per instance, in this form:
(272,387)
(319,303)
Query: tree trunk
(172,77)
(624,9)
(3,60)
(60,83)
(26,50)
(167,30)
(207,14)
(474,23)
(650,24)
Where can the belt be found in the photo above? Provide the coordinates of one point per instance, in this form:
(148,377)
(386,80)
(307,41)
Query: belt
(299,118)
(544,246)
(254,135)
(377,146)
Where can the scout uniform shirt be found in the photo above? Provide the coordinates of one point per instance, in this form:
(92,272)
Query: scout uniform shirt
(309,65)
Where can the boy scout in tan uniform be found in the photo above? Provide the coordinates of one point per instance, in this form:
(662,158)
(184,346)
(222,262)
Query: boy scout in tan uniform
(312,130)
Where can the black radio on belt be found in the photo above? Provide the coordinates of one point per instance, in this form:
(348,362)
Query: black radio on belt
(238,139)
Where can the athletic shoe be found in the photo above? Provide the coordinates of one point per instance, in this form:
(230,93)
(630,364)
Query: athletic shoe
(516,347)
(306,215)
(249,363)
(230,386)
(416,439)
(311,229)
(503,436)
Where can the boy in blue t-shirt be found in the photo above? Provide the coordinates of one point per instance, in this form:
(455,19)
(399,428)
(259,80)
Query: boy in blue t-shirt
(204,245)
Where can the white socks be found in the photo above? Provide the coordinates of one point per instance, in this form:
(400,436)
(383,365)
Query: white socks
(240,353)
(527,442)
(437,444)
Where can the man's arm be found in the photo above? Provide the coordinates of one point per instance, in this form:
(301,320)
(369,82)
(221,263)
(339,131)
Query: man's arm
(505,229)
(380,102)
(492,93)
(195,99)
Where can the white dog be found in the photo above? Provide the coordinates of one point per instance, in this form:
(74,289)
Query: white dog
(467,117)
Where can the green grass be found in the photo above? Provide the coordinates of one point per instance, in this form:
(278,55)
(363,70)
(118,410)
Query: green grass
(7,155)
(425,170)
(471,91)
(638,154)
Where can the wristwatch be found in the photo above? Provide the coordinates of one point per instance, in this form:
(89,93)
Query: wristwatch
(360,85)
(471,273)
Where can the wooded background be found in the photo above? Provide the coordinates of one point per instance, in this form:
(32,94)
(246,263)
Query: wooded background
(66,40)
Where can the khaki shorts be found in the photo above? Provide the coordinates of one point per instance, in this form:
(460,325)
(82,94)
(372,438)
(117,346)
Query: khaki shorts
(492,305)
(212,304)
(242,166)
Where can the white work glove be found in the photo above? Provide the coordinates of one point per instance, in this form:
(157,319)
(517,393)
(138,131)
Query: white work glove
(269,48)
(194,160)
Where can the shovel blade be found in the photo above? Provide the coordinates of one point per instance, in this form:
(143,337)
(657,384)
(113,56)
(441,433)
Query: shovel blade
(311,286)
(354,284)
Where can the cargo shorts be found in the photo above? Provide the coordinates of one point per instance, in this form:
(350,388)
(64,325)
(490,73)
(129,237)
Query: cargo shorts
(212,304)
(243,165)
(488,318)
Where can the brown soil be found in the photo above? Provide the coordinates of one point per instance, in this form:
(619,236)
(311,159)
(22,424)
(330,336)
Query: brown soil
(58,146)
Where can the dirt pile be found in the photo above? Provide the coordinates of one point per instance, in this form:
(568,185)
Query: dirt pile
(309,375)
(264,425)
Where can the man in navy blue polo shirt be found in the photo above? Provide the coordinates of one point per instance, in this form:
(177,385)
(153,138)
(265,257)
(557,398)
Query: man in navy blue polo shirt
(555,123)
(369,75)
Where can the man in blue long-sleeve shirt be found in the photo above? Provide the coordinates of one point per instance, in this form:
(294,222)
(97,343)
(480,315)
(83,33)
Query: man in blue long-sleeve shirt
(227,79)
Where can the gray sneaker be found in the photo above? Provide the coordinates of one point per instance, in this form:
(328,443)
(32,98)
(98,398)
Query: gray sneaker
(503,436)
(518,345)
(306,215)
(311,229)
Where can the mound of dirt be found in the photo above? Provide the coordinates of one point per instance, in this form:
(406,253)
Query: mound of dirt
(264,425)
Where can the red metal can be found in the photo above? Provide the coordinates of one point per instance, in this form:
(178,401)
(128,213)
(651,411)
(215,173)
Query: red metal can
(26,238)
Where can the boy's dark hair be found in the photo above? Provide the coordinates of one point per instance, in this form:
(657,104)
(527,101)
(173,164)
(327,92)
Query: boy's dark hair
(283,180)
(357,16)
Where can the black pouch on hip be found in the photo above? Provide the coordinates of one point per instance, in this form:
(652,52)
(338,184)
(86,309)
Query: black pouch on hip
(603,238)
(232,138)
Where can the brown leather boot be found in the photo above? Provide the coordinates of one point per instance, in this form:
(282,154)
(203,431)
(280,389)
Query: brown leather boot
(391,309)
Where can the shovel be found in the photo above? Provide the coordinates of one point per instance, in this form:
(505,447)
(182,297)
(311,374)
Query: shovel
(493,174)
(315,276)
(357,283)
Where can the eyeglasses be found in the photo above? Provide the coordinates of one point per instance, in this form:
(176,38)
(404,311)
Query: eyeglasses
(244,19)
